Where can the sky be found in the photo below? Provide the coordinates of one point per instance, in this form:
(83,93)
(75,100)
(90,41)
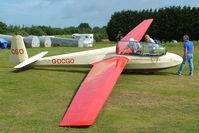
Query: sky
(66,13)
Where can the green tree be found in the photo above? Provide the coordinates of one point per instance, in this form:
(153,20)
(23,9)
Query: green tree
(13,30)
(35,30)
(169,22)
(3,28)
(48,30)
(22,32)
(99,33)
(70,30)
(96,29)
(84,28)
(58,31)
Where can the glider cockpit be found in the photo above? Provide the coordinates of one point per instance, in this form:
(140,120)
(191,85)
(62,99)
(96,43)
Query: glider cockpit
(140,48)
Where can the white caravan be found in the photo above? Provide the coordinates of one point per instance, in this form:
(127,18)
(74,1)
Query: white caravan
(86,40)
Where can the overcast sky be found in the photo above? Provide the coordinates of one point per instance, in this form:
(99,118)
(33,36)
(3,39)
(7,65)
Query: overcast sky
(65,13)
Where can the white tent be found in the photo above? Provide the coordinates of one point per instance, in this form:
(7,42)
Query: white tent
(45,41)
(32,41)
(58,41)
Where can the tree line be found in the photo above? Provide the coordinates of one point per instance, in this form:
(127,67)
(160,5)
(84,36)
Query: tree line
(83,28)
(170,23)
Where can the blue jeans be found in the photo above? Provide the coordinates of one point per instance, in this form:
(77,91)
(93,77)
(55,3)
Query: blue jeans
(190,60)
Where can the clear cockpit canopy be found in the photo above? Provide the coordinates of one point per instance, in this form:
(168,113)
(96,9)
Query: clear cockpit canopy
(145,49)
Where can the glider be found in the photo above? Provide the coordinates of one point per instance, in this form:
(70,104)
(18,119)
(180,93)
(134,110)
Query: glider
(107,65)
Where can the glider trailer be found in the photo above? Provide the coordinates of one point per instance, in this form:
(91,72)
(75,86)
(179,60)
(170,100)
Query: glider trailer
(107,65)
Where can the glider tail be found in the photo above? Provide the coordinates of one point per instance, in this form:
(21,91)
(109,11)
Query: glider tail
(18,51)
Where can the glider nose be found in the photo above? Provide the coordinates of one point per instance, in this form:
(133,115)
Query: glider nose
(177,59)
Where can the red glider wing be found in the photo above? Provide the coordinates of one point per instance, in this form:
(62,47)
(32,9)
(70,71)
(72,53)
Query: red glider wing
(93,92)
(137,33)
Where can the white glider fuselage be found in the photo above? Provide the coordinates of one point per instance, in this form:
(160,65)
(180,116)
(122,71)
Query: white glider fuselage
(135,63)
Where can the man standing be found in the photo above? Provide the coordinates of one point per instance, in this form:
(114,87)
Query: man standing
(188,55)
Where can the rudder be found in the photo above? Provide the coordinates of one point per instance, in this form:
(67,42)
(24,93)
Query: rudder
(18,51)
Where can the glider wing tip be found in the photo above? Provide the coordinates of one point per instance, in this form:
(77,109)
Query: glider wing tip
(77,124)
(74,125)
(150,19)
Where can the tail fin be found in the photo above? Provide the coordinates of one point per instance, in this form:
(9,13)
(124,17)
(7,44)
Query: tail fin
(18,51)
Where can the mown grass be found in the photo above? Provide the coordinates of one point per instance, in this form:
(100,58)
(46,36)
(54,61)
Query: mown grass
(35,100)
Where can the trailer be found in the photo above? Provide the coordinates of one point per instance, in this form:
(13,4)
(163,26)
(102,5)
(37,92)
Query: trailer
(86,40)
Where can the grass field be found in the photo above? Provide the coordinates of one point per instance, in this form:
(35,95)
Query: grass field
(34,101)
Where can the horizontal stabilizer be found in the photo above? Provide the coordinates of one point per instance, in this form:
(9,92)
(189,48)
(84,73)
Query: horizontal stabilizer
(31,60)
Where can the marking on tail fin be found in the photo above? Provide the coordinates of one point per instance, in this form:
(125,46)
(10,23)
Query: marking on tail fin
(17,51)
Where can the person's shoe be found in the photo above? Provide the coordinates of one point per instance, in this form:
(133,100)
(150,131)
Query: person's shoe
(179,73)
(191,74)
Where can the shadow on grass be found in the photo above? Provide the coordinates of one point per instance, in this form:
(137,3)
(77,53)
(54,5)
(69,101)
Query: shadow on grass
(148,73)
(62,70)
(20,70)
(75,127)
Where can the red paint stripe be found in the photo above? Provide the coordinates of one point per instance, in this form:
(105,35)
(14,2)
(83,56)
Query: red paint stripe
(93,92)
